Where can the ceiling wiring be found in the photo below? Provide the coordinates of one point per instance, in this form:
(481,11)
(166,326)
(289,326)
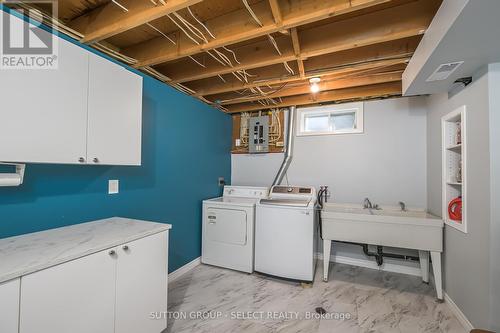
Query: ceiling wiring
(257,92)
(125,9)
(232,52)
(222,79)
(191,27)
(183,30)
(156,2)
(273,42)
(203,25)
(252,13)
(161,33)
(197,62)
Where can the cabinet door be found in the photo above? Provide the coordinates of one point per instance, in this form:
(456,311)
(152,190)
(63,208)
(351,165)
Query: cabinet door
(115,114)
(77,297)
(9,306)
(43,117)
(141,285)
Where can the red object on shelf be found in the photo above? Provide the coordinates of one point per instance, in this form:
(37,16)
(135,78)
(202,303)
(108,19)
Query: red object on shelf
(455,209)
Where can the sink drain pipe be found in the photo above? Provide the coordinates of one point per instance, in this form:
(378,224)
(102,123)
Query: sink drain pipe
(290,128)
(380,254)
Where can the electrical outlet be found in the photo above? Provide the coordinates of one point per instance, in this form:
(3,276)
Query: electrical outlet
(222,181)
(113,186)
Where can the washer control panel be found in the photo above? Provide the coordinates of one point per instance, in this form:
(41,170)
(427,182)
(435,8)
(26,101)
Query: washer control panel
(293,192)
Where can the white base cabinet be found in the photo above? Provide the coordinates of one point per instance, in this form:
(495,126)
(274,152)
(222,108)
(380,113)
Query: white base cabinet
(77,296)
(112,291)
(9,306)
(141,285)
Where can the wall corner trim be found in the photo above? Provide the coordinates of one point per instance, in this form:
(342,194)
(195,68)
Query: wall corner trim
(458,313)
(183,270)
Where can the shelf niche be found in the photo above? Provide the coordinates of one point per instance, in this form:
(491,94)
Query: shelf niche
(454,154)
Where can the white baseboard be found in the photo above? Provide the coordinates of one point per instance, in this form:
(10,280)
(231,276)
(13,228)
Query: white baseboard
(388,267)
(184,269)
(458,313)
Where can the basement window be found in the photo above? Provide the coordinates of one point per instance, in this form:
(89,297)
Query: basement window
(330,119)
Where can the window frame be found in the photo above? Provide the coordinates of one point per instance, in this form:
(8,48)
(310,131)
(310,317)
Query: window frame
(335,109)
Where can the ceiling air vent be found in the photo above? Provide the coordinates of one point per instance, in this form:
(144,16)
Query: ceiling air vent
(444,71)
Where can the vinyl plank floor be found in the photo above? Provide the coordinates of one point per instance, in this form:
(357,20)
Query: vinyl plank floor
(211,299)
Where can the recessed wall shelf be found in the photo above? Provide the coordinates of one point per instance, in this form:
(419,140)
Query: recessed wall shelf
(454,177)
(455,147)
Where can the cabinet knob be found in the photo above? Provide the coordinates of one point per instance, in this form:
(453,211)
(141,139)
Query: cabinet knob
(96,160)
(112,252)
(125,247)
(81,160)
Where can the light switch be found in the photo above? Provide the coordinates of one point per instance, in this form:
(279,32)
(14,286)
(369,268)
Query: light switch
(113,186)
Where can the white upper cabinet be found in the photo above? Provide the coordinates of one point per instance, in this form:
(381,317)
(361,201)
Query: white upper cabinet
(87,111)
(43,116)
(114,114)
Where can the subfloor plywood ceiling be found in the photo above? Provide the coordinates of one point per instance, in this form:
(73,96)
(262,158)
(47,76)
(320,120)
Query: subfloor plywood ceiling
(250,55)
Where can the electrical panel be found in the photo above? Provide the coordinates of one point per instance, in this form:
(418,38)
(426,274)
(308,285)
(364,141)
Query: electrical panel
(243,133)
(258,130)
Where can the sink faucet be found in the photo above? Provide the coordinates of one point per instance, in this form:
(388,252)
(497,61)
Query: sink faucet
(403,206)
(367,204)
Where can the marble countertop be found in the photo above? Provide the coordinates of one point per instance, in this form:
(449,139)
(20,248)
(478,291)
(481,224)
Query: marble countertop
(25,254)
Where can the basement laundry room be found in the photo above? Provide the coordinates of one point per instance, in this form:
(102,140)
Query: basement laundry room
(254,166)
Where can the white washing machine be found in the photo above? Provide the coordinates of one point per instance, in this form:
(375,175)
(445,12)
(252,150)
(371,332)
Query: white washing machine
(286,236)
(228,228)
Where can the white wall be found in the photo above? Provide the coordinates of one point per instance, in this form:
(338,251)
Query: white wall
(387,163)
(494,87)
(466,256)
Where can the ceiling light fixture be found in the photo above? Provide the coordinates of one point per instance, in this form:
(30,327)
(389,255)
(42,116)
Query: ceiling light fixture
(314,84)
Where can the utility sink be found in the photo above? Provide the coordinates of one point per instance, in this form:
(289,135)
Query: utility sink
(388,226)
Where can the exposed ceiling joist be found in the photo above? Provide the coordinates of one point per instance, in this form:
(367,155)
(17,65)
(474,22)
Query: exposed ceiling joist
(239,26)
(247,55)
(109,20)
(386,25)
(375,28)
(296,49)
(223,88)
(254,55)
(365,92)
(275,9)
(326,84)
(388,50)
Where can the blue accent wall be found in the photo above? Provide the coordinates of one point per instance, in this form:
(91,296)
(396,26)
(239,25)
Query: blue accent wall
(185,148)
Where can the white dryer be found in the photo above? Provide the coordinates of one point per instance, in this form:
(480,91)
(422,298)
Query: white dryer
(286,233)
(228,228)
